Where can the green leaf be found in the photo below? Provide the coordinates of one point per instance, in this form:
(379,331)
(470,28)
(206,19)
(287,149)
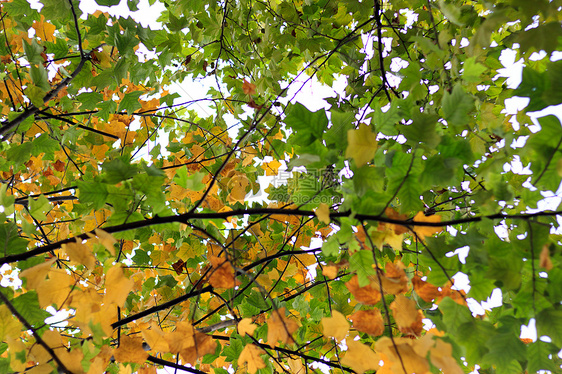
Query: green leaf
(33,52)
(472,70)
(27,305)
(10,241)
(307,125)
(89,100)
(108,2)
(549,323)
(503,349)
(456,106)
(118,170)
(94,193)
(538,357)
(39,207)
(362,263)
(130,102)
(39,77)
(192,182)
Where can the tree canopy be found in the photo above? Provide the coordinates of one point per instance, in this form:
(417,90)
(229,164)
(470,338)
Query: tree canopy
(144,221)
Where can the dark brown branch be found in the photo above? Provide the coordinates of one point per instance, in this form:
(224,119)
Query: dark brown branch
(182,218)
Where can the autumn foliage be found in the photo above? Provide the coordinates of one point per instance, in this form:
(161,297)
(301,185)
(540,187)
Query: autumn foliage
(172,197)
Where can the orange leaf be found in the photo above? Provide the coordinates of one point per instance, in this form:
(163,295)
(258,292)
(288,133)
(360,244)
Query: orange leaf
(401,351)
(426,291)
(222,275)
(393,214)
(130,350)
(55,290)
(204,344)
(367,295)
(80,254)
(423,231)
(248,88)
(368,321)
(36,274)
(360,357)
(280,328)
(251,355)
(335,326)
(330,271)
(545,261)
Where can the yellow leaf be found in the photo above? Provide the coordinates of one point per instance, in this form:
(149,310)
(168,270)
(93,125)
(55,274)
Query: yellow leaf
(361,145)
(407,316)
(406,354)
(251,355)
(72,360)
(280,328)
(53,340)
(245,326)
(106,239)
(117,286)
(441,356)
(55,290)
(296,366)
(423,231)
(271,168)
(9,325)
(155,338)
(323,213)
(80,254)
(360,357)
(389,237)
(130,350)
(181,337)
(44,30)
(36,274)
(335,326)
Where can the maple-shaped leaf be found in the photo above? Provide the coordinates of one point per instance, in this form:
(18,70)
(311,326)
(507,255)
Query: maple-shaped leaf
(248,88)
(156,339)
(54,290)
(222,275)
(387,236)
(130,350)
(361,145)
(80,254)
(280,328)
(251,355)
(457,295)
(400,351)
(368,321)
(44,30)
(179,266)
(72,359)
(117,286)
(296,366)
(442,357)
(203,345)
(271,168)
(426,291)
(407,316)
(323,213)
(52,339)
(335,326)
(367,295)
(423,231)
(245,326)
(181,337)
(36,274)
(360,357)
